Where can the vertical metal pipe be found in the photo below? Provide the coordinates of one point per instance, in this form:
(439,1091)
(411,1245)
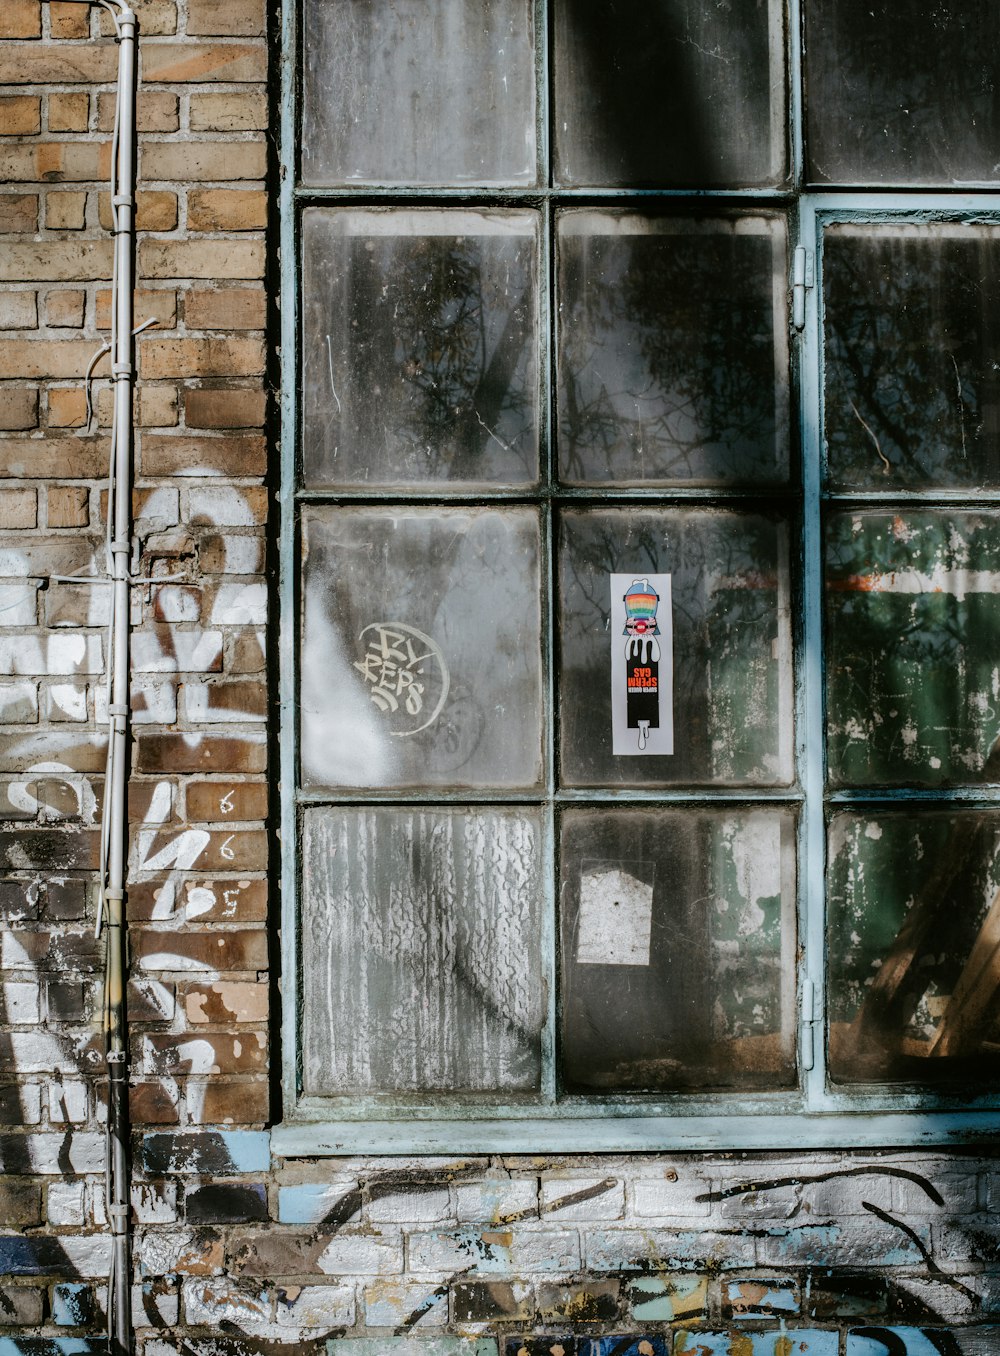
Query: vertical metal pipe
(120,507)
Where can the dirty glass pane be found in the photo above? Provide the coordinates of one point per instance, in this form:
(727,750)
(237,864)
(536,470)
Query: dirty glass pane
(419,348)
(418,92)
(912,323)
(914,938)
(669,93)
(731,651)
(678,949)
(421,648)
(901,94)
(673,366)
(421,933)
(913,613)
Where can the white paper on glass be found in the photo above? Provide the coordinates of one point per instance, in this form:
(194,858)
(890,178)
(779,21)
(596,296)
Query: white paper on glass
(616,915)
(642,665)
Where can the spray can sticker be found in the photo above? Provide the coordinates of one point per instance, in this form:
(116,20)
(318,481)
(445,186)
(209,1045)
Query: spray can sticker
(642,714)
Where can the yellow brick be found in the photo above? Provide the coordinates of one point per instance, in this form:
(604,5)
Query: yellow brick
(57,63)
(65,308)
(228,18)
(227,209)
(20,19)
(18,407)
(68,506)
(18,508)
(148,303)
(69,112)
(201,259)
(216,357)
(229,407)
(70,458)
(55,161)
(67,406)
(220,160)
(157,18)
(155,110)
(66,211)
(18,213)
(155,406)
(232,111)
(225,308)
(53,358)
(69,20)
(18,310)
(173,62)
(155,210)
(20,115)
(55,261)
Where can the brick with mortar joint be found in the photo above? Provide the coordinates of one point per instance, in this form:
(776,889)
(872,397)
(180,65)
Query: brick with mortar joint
(184,161)
(202,62)
(21,19)
(201,259)
(69,112)
(223,1002)
(44,458)
(67,505)
(245,1101)
(158,19)
(18,213)
(57,261)
(159,304)
(227,18)
(227,506)
(232,111)
(155,406)
(155,210)
(222,850)
(236,950)
(188,454)
(225,801)
(180,1053)
(57,63)
(227,209)
(225,308)
(231,555)
(151,1102)
(66,211)
(20,115)
(211,357)
(18,408)
(18,310)
(69,20)
(228,407)
(56,161)
(18,509)
(157,110)
(64,308)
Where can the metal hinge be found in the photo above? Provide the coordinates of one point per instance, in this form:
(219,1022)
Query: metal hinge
(809,1024)
(803,276)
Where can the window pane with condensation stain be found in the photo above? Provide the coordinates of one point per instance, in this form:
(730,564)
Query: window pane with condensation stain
(912,328)
(678,949)
(421,648)
(421,933)
(673,361)
(419,333)
(902,93)
(913,672)
(418,92)
(732,679)
(669,93)
(914,939)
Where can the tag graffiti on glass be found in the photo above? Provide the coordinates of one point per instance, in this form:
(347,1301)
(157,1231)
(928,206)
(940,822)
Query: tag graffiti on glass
(642,664)
(406,673)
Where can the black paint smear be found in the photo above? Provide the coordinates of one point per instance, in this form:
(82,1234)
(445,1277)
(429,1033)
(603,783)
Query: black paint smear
(895,1345)
(918,1243)
(745,1188)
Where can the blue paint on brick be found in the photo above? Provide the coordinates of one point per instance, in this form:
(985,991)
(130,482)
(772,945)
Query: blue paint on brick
(882,1341)
(412,1346)
(759,1297)
(210,1153)
(787,1342)
(72,1305)
(53,1346)
(307,1204)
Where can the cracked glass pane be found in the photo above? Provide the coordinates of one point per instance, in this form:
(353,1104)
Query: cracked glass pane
(678,949)
(418,351)
(914,939)
(673,362)
(418,92)
(421,932)
(913,678)
(669,93)
(912,329)
(421,648)
(901,94)
(731,645)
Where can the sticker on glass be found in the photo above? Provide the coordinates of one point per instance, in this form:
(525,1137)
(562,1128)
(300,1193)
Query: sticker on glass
(642,675)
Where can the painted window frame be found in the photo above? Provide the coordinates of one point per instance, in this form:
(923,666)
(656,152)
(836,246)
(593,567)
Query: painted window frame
(814,1115)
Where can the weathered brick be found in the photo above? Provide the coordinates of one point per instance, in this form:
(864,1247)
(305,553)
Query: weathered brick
(245,1101)
(667,1298)
(499,1250)
(156,110)
(236,604)
(239,700)
(18,509)
(226,1203)
(159,304)
(21,1304)
(218,1154)
(159,18)
(61,63)
(68,505)
(184,1252)
(69,20)
(228,407)
(218,802)
(184,161)
(209,1303)
(225,308)
(218,850)
(57,261)
(64,308)
(246,652)
(18,311)
(582,1197)
(21,19)
(492,1302)
(66,701)
(316,1306)
(153,1102)
(20,1204)
(187,454)
(172,63)
(66,212)
(230,901)
(191,357)
(55,161)
(69,112)
(47,358)
(231,555)
(226,18)
(426,1202)
(185,1053)
(49,655)
(18,408)
(234,949)
(32,458)
(156,1303)
(201,259)
(67,408)
(227,209)
(224,1001)
(227,506)
(164,649)
(155,210)
(232,111)
(20,115)
(18,213)
(290,1254)
(756,1297)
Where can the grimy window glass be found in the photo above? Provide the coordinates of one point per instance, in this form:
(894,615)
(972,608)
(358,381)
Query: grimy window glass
(640,593)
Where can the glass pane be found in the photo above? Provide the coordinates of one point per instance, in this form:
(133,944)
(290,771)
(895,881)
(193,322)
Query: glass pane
(669,93)
(913,611)
(912,322)
(421,932)
(419,348)
(673,367)
(731,651)
(914,935)
(678,949)
(901,94)
(418,92)
(421,648)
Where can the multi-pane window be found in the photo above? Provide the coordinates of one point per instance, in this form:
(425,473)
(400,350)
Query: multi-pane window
(641,572)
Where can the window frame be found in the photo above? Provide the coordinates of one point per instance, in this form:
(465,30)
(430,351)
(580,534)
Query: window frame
(812,1115)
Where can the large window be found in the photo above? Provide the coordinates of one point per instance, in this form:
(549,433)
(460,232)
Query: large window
(640,595)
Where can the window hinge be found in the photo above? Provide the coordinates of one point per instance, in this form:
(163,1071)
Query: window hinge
(803,276)
(809,1024)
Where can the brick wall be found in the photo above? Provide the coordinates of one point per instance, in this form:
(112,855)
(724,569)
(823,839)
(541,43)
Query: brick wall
(817,1254)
